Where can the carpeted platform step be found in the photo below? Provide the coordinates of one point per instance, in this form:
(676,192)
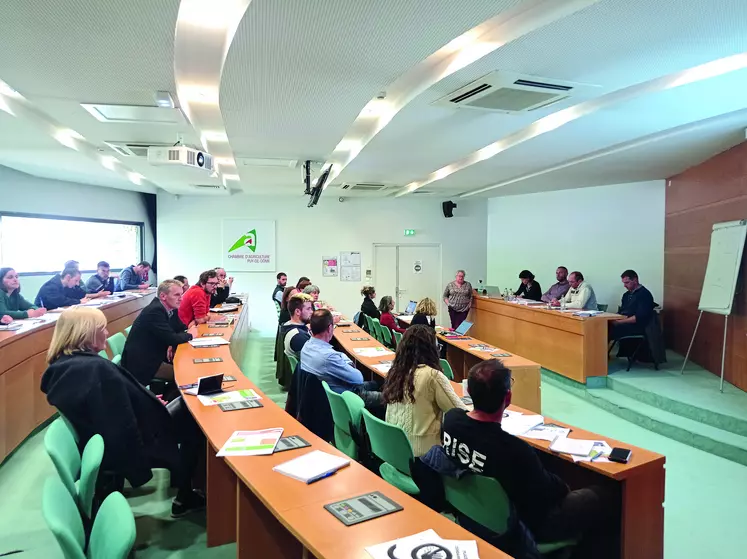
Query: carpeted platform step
(683,429)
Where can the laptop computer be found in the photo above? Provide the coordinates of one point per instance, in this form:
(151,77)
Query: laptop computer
(410,308)
(461,330)
(205,386)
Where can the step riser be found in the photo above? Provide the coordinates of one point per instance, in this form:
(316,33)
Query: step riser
(713,418)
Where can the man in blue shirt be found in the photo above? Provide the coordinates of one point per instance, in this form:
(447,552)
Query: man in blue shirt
(319,358)
(637,307)
(130,277)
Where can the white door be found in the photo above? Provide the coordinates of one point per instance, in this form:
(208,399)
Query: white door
(419,274)
(407,272)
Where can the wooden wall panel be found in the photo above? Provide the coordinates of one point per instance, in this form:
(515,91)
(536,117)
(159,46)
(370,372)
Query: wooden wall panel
(712,192)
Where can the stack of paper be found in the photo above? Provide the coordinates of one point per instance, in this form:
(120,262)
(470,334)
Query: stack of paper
(11,326)
(383,367)
(481,347)
(225,308)
(576,447)
(251,443)
(587,313)
(518,423)
(372,351)
(312,466)
(547,432)
(212,340)
(229,397)
(599,453)
(425,544)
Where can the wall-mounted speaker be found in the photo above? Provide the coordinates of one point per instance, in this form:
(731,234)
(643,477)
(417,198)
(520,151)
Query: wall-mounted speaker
(448,208)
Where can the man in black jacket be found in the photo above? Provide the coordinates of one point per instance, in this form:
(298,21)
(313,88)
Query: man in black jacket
(52,294)
(150,345)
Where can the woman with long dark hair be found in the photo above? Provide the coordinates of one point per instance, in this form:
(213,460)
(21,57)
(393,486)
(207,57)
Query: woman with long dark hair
(416,391)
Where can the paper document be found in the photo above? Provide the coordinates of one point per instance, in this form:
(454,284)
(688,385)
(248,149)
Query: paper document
(372,351)
(312,466)
(577,447)
(587,313)
(547,432)
(383,368)
(519,424)
(426,544)
(251,443)
(599,453)
(11,326)
(212,340)
(225,308)
(229,397)
(481,347)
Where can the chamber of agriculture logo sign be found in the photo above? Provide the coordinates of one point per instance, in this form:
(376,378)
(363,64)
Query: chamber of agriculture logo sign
(248,245)
(248,240)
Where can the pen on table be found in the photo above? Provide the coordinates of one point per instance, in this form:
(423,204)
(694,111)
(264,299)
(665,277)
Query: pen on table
(312,480)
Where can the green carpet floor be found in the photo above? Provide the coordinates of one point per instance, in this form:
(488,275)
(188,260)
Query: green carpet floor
(705,494)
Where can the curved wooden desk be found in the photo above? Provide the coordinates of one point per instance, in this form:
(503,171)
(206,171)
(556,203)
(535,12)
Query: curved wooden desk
(640,482)
(23,353)
(270,515)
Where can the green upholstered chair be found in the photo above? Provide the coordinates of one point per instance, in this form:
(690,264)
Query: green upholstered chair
(343,418)
(397,337)
(127,330)
(293,362)
(390,444)
(483,499)
(447,369)
(116,343)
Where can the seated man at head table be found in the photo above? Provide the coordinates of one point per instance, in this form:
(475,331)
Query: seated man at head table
(543,501)
(101,284)
(277,293)
(637,307)
(319,358)
(295,333)
(222,290)
(580,295)
(53,295)
(557,290)
(149,349)
(130,278)
(195,306)
(13,306)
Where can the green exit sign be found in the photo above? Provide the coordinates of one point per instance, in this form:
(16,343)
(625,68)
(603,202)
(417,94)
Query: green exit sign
(409,232)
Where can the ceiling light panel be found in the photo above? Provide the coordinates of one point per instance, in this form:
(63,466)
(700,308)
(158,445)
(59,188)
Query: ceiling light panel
(132,114)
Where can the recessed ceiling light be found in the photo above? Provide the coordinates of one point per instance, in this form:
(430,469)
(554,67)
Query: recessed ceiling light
(164,100)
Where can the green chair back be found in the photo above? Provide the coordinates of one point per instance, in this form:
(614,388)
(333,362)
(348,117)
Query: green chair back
(342,419)
(397,337)
(386,334)
(378,329)
(113,533)
(117,359)
(127,330)
(63,519)
(369,325)
(90,464)
(103,354)
(70,428)
(481,498)
(116,343)
(355,407)
(447,369)
(63,451)
(390,444)
(293,362)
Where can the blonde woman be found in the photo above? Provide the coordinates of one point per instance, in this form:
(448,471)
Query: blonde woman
(97,396)
(425,313)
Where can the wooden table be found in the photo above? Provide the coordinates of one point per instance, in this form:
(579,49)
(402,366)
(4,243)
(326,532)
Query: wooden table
(572,346)
(639,483)
(461,357)
(273,516)
(23,406)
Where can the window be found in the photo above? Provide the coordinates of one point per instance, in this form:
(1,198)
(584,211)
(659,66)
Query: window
(35,244)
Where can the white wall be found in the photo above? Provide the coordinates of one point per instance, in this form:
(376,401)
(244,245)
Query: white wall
(24,193)
(600,231)
(189,235)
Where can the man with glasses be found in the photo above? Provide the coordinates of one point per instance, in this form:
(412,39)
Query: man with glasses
(195,306)
(543,501)
(223,290)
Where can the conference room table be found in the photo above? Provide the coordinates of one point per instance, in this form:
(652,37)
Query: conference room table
(462,357)
(270,515)
(23,354)
(573,346)
(638,485)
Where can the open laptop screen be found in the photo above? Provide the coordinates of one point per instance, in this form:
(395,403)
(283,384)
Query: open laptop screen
(463,328)
(411,307)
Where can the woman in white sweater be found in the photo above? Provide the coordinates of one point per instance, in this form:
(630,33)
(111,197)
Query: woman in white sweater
(416,391)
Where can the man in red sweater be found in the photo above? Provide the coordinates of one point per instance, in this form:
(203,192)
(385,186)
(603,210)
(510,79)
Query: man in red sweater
(195,305)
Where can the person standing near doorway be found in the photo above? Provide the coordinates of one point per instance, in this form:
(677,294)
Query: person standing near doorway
(458,299)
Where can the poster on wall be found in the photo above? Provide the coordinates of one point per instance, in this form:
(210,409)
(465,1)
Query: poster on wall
(329,266)
(350,266)
(248,245)
(417,267)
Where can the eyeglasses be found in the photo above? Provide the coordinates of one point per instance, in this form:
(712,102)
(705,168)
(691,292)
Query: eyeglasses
(212,283)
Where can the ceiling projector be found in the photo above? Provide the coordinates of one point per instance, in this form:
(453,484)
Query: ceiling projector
(182,156)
